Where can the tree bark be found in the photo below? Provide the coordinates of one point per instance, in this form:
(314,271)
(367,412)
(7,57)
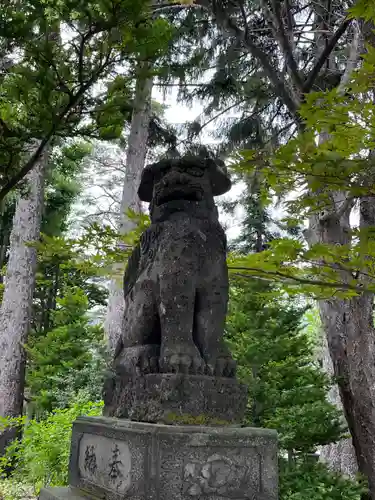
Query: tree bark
(136,156)
(16,307)
(341,456)
(349,328)
(338,456)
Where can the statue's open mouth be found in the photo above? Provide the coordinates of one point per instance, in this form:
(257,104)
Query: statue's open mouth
(179,193)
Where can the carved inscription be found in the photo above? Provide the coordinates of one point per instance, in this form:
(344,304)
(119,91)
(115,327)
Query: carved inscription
(115,464)
(90,464)
(104,462)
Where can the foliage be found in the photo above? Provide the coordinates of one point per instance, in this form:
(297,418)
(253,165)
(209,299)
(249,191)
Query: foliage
(65,352)
(274,341)
(65,263)
(63,184)
(12,490)
(63,347)
(341,164)
(43,453)
(276,359)
(312,326)
(311,271)
(49,90)
(308,479)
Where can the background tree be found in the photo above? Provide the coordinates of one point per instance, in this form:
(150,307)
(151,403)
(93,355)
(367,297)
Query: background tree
(63,345)
(280,64)
(64,360)
(135,159)
(16,306)
(276,356)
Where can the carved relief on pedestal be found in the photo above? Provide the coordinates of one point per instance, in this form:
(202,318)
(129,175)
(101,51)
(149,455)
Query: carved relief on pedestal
(105,463)
(219,476)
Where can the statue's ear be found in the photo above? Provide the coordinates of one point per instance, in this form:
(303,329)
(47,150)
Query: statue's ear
(146,186)
(220,180)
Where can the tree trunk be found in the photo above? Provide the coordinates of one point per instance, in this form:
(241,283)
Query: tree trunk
(349,327)
(350,335)
(5,230)
(338,456)
(16,307)
(136,155)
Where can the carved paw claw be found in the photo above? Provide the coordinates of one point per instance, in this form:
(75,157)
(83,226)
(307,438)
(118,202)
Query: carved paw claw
(185,361)
(138,360)
(222,366)
(147,363)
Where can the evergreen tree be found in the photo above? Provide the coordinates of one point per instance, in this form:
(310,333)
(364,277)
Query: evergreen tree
(63,345)
(56,271)
(62,361)
(276,357)
(275,353)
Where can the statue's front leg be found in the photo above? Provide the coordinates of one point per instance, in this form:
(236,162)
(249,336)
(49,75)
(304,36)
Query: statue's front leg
(210,310)
(139,346)
(176,304)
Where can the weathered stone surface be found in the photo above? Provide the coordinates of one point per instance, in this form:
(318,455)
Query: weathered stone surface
(176,399)
(176,295)
(62,494)
(162,462)
(176,283)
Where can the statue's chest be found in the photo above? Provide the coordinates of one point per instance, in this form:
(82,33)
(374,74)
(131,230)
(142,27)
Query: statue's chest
(193,233)
(182,241)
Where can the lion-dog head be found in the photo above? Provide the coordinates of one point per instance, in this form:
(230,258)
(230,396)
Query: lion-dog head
(188,180)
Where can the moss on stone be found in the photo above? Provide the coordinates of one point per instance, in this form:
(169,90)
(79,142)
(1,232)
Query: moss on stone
(186,419)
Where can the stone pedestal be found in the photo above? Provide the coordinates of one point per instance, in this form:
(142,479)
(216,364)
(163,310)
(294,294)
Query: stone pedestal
(117,459)
(175,399)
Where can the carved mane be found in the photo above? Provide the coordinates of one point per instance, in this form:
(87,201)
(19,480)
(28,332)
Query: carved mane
(132,271)
(142,253)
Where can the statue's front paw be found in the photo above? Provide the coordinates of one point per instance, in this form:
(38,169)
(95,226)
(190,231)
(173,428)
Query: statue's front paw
(138,360)
(181,359)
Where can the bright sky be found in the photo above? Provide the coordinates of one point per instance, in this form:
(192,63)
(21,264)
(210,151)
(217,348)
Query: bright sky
(177,113)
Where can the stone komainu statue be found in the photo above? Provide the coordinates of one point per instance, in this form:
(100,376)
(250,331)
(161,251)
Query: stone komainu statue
(176,289)
(176,282)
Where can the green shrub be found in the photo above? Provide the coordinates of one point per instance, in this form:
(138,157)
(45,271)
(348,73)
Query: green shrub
(41,457)
(314,481)
(12,490)
(67,358)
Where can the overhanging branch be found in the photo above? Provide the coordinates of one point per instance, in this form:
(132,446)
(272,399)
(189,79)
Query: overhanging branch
(324,55)
(284,43)
(229,26)
(273,275)
(29,165)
